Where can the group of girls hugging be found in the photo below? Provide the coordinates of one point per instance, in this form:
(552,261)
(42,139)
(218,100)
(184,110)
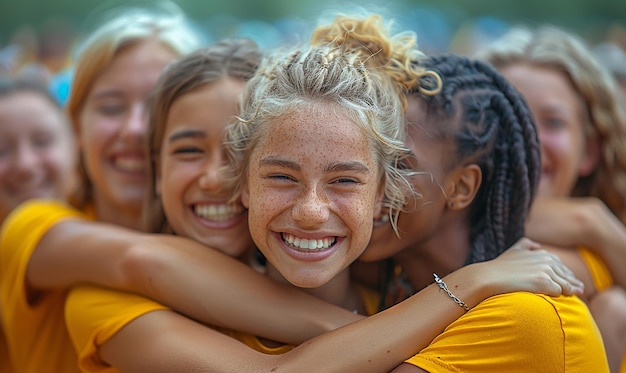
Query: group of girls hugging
(346,204)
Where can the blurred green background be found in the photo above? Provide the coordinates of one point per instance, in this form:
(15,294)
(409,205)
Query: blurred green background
(49,30)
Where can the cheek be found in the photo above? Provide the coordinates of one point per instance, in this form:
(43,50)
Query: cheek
(174,177)
(60,162)
(97,129)
(359,212)
(262,201)
(558,146)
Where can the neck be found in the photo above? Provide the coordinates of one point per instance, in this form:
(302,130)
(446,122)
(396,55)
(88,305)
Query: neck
(442,253)
(338,291)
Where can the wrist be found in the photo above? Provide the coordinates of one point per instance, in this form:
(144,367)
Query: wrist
(467,284)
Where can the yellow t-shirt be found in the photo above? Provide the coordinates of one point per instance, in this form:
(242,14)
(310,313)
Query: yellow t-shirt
(95,314)
(518,332)
(35,333)
(602,279)
(600,273)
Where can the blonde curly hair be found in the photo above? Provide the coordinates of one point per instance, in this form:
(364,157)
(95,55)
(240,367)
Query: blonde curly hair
(353,63)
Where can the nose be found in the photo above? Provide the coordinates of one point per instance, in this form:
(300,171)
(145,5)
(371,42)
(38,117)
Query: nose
(26,160)
(311,208)
(212,178)
(134,128)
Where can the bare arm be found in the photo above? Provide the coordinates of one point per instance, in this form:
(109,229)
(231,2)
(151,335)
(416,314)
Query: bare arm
(572,222)
(182,274)
(376,344)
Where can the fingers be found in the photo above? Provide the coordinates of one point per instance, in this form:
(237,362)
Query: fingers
(563,276)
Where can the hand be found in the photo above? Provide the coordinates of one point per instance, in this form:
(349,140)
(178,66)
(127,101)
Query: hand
(526,267)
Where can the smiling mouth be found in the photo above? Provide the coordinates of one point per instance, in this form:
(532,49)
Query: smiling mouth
(218,212)
(130,164)
(309,245)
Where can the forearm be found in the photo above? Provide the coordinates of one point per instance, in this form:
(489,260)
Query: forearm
(213,288)
(182,274)
(564,222)
(76,251)
(586,222)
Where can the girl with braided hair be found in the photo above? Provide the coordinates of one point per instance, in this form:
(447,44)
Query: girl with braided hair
(581,209)
(476,151)
(312,152)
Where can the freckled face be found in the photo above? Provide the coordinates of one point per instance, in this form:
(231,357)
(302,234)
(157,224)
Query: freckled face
(112,126)
(424,217)
(190,180)
(559,115)
(312,190)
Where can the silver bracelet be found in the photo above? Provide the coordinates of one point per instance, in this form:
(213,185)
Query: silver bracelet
(444,287)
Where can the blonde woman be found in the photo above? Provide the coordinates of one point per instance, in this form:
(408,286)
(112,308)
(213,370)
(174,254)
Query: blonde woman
(582,193)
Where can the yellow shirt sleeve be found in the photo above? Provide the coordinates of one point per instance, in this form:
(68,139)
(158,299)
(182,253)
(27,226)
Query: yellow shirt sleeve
(518,332)
(35,331)
(95,314)
(600,273)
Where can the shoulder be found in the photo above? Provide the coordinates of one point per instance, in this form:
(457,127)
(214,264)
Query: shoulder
(93,312)
(93,315)
(24,227)
(537,332)
(36,216)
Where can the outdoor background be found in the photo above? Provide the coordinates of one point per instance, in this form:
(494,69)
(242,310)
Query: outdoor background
(48,31)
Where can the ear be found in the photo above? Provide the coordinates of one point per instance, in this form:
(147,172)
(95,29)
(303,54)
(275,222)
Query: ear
(465,182)
(591,157)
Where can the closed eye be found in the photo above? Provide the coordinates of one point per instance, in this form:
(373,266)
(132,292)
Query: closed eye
(554,123)
(346,180)
(280,177)
(112,110)
(187,150)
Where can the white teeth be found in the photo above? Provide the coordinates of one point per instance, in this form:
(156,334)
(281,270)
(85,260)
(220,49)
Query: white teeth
(218,212)
(306,244)
(130,164)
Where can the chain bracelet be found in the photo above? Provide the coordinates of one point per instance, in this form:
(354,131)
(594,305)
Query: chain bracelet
(444,287)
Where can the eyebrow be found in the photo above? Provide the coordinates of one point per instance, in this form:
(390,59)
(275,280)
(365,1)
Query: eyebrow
(347,166)
(274,161)
(333,167)
(186,133)
(107,93)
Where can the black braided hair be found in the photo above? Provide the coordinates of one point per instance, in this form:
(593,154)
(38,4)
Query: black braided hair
(492,127)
